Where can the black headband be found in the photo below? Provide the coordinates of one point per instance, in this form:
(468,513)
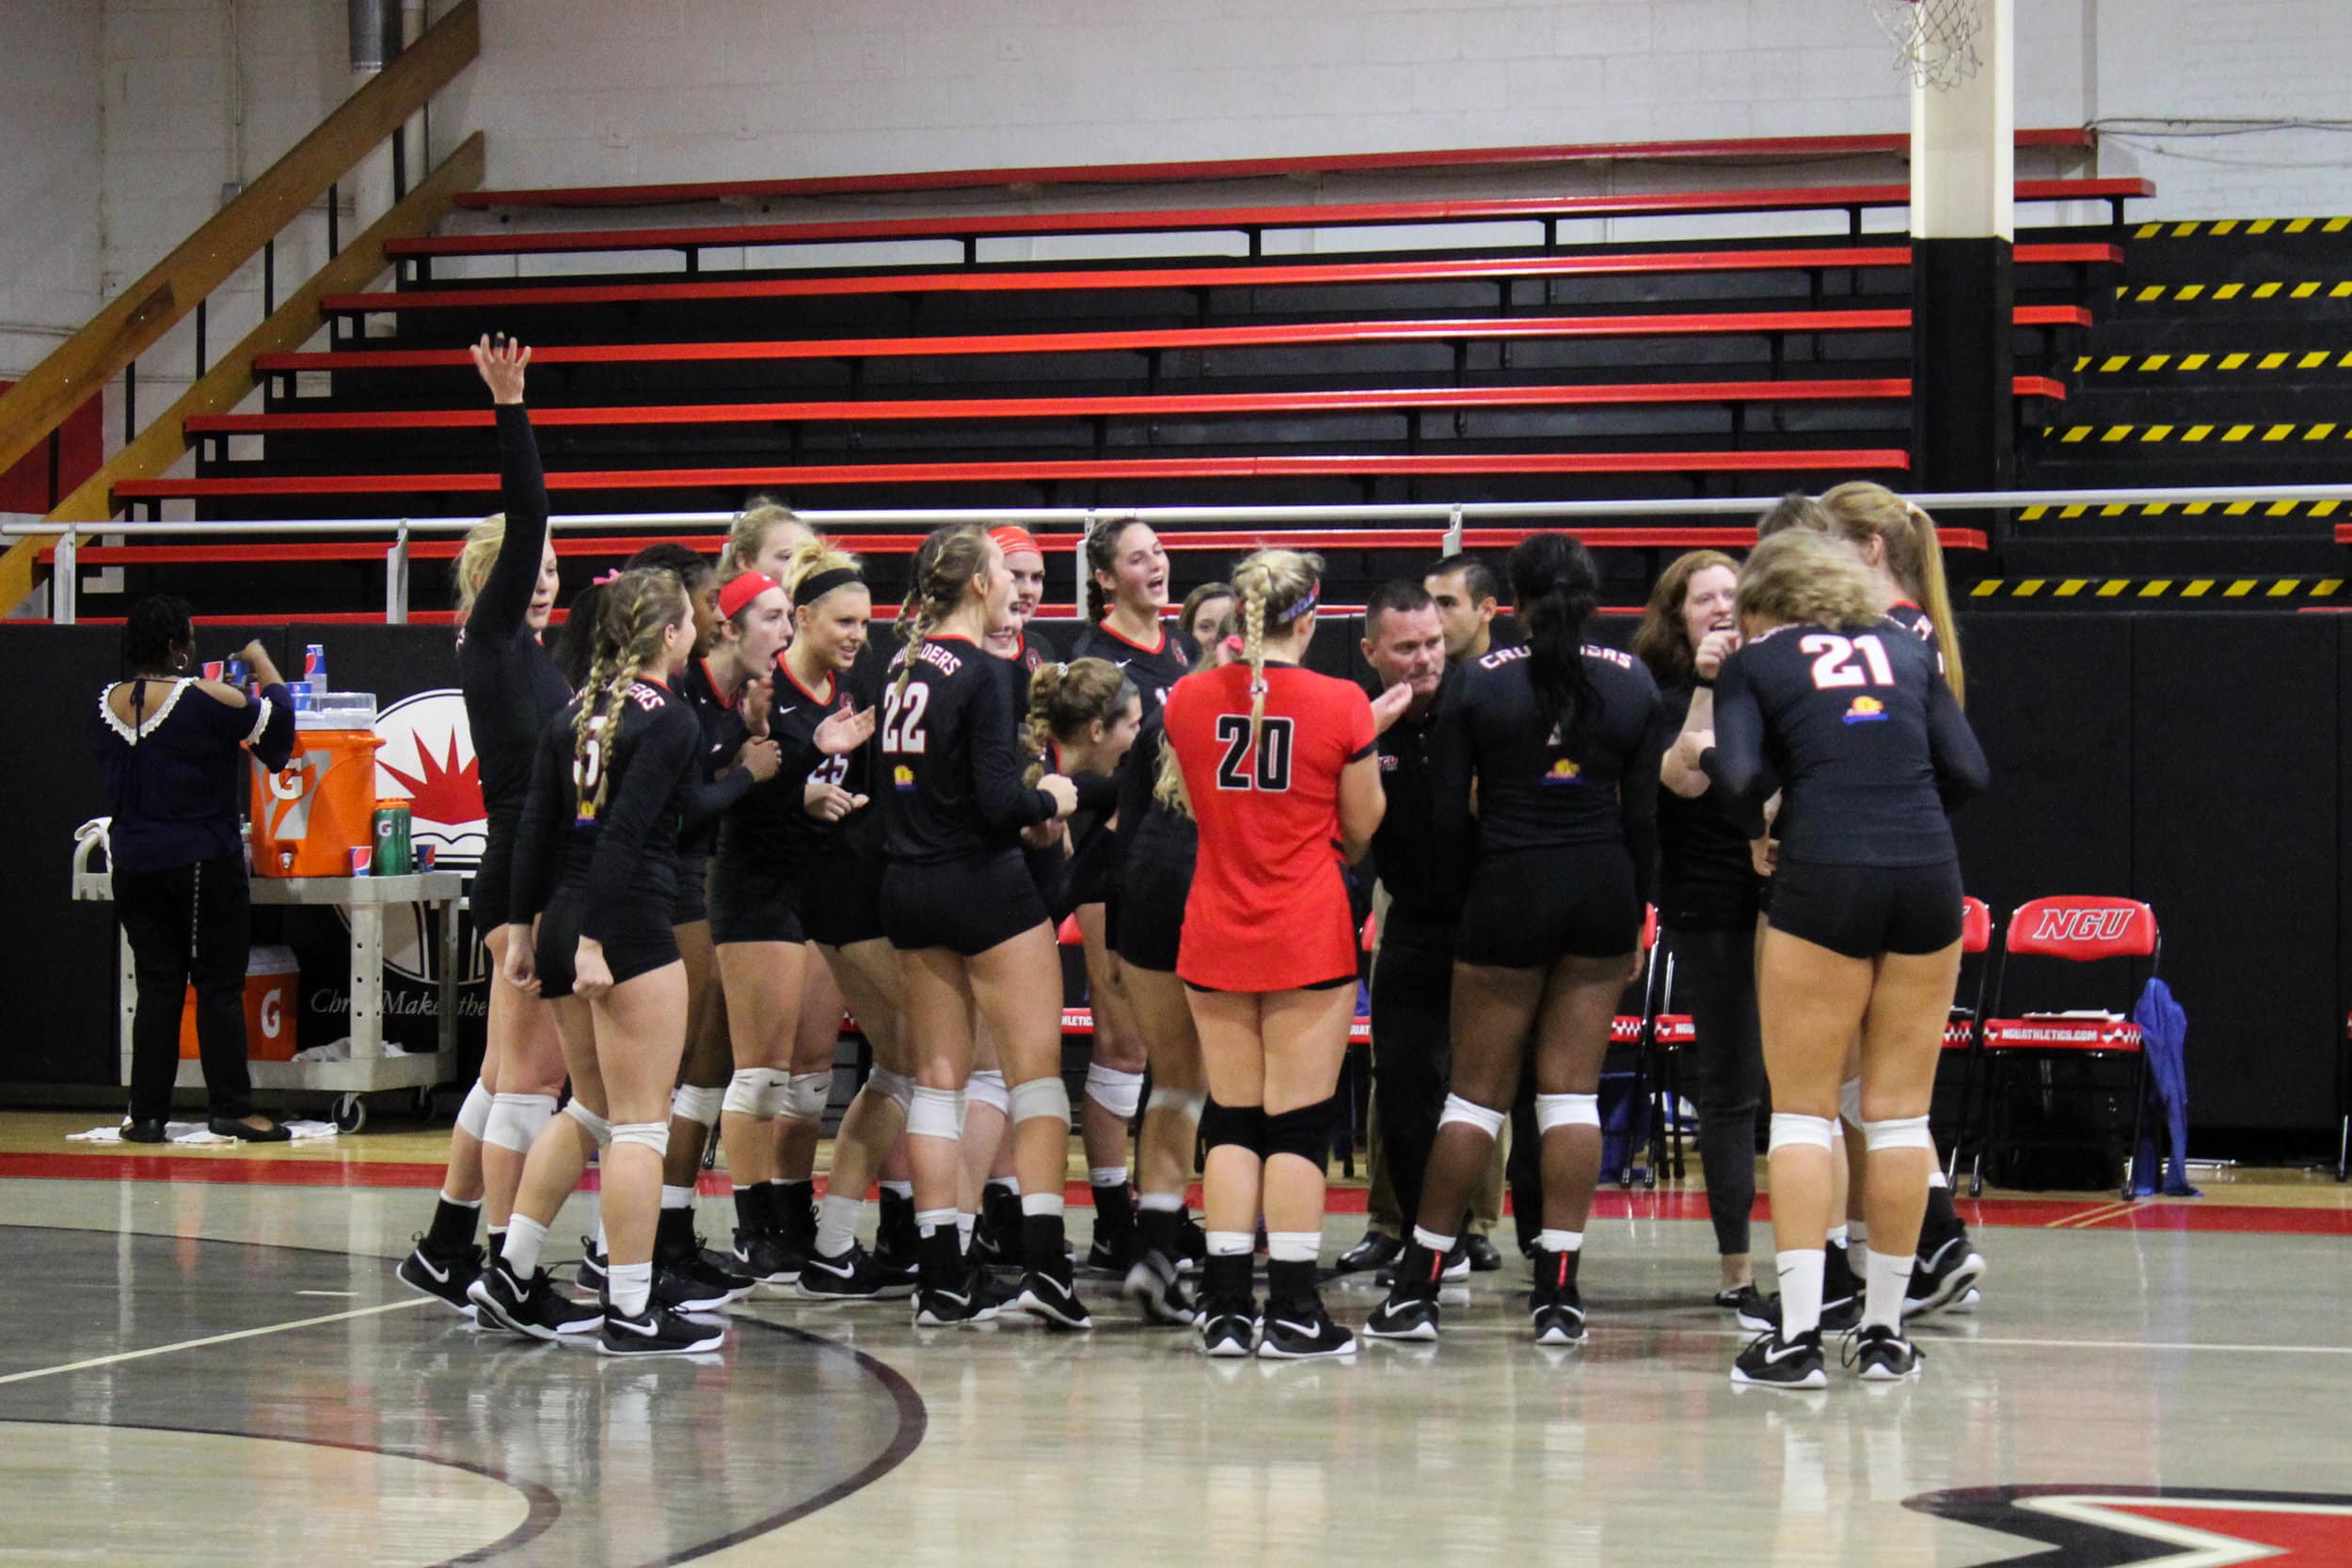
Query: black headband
(817,585)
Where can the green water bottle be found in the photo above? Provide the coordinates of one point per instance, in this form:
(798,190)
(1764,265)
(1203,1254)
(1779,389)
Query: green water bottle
(394,857)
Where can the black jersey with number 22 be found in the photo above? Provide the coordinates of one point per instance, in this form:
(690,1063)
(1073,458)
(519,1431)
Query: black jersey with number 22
(951,765)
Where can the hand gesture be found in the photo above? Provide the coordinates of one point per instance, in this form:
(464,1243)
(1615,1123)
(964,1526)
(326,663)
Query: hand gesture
(592,978)
(1389,707)
(844,730)
(1064,793)
(1045,835)
(501,361)
(521,968)
(759,695)
(1689,744)
(761,759)
(1712,650)
(1765,854)
(829,802)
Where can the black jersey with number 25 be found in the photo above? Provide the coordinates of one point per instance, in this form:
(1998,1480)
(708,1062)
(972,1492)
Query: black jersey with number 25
(951,764)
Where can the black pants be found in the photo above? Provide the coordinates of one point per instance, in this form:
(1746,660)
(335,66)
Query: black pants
(1715,983)
(190,925)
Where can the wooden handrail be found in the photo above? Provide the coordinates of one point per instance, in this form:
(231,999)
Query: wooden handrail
(231,381)
(84,363)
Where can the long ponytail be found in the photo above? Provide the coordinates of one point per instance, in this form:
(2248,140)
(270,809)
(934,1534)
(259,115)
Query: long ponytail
(1859,511)
(1554,590)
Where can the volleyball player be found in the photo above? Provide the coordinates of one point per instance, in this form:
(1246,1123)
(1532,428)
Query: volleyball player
(960,908)
(762,539)
(506,588)
(1276,765)
(1558,744)
(1129,568)
(1708,904)
(1206,610)
(1871,750)
(596,863)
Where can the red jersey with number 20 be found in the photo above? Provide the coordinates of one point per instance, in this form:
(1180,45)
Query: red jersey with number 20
(1268,909)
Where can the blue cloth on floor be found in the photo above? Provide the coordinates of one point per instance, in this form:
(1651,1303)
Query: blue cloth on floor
(2163,1033)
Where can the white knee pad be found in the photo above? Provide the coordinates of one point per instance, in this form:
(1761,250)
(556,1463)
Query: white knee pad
(474,1115)
(1567,1110)
(697,1104)
(934,1114)
(988,1088)
(599,1130)
(1791,1131)
(806,1094)
(1189,1106)
(1045,1097)
(756,1091)
(647,1134)
(895,1086)
(1119,1093)
(1849,1100)
(1900,1132)
(1470,1113)
(516,1119)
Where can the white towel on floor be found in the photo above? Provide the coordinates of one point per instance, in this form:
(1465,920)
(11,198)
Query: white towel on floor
(305,1131)
(176,1130)
(200,1136)
(196,1134)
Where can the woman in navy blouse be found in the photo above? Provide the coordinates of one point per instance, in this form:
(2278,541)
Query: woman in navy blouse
(172,749)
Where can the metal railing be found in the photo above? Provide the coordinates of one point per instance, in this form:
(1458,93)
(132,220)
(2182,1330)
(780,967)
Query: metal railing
(1448,524)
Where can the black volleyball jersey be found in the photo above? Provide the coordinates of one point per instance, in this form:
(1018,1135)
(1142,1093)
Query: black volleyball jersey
(950,757)
(770,829)
(512,686)
(1425,883)
(1154,671)
(1706,879)
(1859,733)
(621,858)
(1148,830)
(716,784)
(1914,620)
(860,835)
(1539,790)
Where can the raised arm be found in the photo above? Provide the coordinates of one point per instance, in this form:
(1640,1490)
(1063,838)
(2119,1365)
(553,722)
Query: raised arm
(498,608)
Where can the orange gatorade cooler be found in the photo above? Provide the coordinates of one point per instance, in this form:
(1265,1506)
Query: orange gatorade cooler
(273,987)
(309,819)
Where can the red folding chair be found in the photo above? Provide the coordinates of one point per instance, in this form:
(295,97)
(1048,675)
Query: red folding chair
(1634,1029)
(2072,929)
(1963,1031)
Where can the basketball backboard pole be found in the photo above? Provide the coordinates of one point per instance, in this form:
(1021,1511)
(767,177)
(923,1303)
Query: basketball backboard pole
(1962,224)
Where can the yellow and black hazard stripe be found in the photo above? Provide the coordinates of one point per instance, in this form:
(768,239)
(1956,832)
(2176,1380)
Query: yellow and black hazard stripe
(2276,359)
(2073,434)
(2189,293)
(2185,509)
(2218,228)
(2138,589)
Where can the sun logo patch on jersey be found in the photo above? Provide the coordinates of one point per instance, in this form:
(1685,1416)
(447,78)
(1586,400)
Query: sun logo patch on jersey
(903,777)
(1866,710)
(1564,771)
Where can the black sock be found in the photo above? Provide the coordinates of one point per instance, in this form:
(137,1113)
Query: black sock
(750,1207)
(1114,1213)
(1547,1263)
(673,1234)
(1155,1230)
(896,1234)
(495,1238)
(794,1209)
(1291,1281)
(1943,1220)
(1225,1277)
(939,1257)
(1041,1241)
(452,1226)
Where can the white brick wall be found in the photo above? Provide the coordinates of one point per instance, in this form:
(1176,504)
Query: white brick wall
(49,178)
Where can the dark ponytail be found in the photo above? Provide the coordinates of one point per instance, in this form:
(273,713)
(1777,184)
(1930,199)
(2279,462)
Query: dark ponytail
(157,625)
(1554,590)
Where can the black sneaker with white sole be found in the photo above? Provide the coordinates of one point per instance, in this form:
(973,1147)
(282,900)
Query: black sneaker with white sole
(849,1276)
(588,1273)
(1772,1362)
(1301,1330)
(1553,1304)
(1156,1284)
(1050,1294)
(968,1300)
(763,1257)
(657,1331)
(1751,1307)
(1942,1276)
(1841,1292)
(1458,1265)
(532,1307)
(1879,1353)
(1229,1327)
(444,1277)
(1411,1310)
(688,1286)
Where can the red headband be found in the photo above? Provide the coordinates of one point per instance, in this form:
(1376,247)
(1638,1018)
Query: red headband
(1013,539)
(742,590)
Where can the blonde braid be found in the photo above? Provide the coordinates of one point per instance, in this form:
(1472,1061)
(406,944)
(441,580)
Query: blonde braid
(1252,580)
(639,607)
(1168,789)
(1039,729)
(915,621)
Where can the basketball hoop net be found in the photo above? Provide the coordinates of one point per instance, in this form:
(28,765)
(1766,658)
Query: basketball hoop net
(1935,40)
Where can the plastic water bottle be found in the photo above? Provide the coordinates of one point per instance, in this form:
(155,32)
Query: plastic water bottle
(314,669)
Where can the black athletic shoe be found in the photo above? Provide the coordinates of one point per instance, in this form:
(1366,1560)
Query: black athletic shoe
(1755,1311)
(1553,1304)
(657,1331)
(1229,1328)
(1051,1296)
(1457,1267)
(1156,1284)
(1301,1330)
(851,1276)
(1841,1293)
(968,1300)
(1941,1277)
(589,1273)
(444,1278)
(763,1257)
(1378,1250)
(996,1229)
(1484,1256)
(1771,1362)
(688,1286)
(1411,1310)
(1112,1254)
(896,1267)
(534,1307)
(1192,1245)
(1881,1354)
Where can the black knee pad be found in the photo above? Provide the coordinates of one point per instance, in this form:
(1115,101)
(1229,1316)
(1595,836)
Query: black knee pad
(1242,1126)
(1306,1133)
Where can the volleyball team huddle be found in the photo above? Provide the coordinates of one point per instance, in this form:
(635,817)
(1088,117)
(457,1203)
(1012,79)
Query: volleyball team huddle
(729,816)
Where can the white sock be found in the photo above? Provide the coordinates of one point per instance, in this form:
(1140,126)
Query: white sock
(836,1223)
(1858,1245)
(1561,1240)
(524,1238)
(1232,1243)
(458,1202)
(1106,1176)
(604,1249)
(1937,1179)
(1800,1291)
(1159,1202)
(630,1285)
(899,1189)
(928,1220)
(964,1224)
(1041,1203)
(1839,1236)
(1293,1246)
(677,1197)
(1423,1236)
(1883,1289)
(1004,1183)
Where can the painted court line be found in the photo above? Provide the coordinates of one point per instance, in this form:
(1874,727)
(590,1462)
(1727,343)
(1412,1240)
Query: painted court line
(211,1340)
